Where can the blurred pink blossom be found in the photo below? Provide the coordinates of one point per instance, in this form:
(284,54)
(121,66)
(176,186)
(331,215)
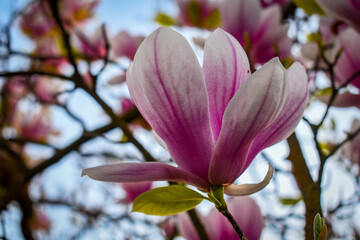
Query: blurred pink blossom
(342,100)
(125,45)
(40,220)
(258,30)
(351,149)
(126,104)
(168,226)
(35,125)
(36,20)
(76,12)
(14,89)
(133,190)
(349,61)
(246,212)
(93,45)
(45,89)
(345,10)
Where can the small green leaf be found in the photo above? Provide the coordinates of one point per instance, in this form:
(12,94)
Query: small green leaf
(323,92)
(320,230)
(193,12)
(309,6)
(290,201)
(168,200)
(326,148)
(164,19)
(213,20)
(124,139)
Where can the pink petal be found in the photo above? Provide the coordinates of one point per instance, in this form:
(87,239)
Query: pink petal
(226,67)
(293,110)
(140,172)
(133,190)
(254,107)
(167,85)
(349,60)
(247,214)
(240,17)
(351,149)
(187,230)
(271,38)
(343,10)
(342,100)
(124,45)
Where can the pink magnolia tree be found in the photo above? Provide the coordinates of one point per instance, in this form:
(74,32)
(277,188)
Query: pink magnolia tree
(178,126)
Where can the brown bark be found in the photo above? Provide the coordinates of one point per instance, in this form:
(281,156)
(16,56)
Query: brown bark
(310,190)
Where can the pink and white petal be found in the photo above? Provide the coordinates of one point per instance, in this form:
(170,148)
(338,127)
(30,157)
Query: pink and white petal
(240,17)
(168,87)
(253,108)
(140,172)
(343,10)
(292,112)
(226,67)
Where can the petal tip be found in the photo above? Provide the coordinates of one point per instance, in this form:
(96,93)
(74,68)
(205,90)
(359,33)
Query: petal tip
(247,189)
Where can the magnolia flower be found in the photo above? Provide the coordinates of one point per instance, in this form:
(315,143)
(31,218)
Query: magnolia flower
(13,90)
(50,48)
(345,10)
(246,212)
(34,20)
(124,45)
(132,190)
(76,12)
(351,149)
(214,120)
(46,88)
(35,125)
(258,30)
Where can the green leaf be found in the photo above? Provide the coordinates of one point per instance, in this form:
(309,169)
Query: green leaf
(309,6)
(164,19)
(290,201)
(320,230)
(213,20)
(326,148)
(193,12)
(168,200)
(323,92)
